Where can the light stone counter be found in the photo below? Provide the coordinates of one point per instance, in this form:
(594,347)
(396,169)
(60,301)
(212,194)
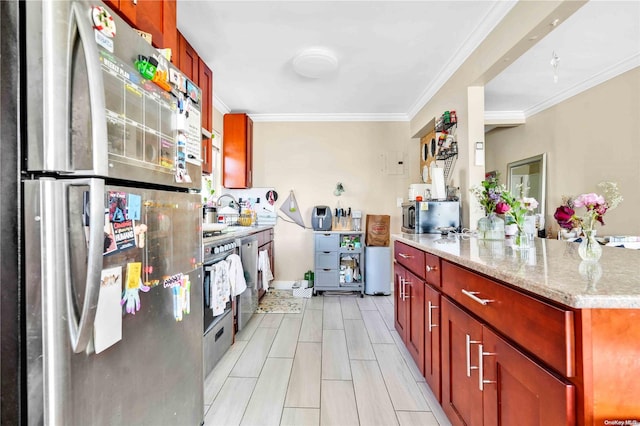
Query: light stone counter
(235,232)
(550,268)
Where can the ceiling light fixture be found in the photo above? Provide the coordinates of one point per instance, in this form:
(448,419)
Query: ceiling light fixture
(555,63)
(315,62)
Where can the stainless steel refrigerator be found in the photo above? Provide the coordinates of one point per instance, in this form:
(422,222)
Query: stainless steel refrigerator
(106,251)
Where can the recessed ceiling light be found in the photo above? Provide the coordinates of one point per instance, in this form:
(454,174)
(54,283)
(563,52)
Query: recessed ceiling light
(315,62)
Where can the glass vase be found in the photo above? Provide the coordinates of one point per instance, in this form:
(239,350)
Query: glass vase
(491,228)
(589,249)
(522,239)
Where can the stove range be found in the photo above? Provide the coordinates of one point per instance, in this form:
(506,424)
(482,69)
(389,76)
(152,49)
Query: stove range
(215,248)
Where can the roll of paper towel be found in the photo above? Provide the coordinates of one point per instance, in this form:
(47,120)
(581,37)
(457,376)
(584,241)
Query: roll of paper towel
(438,190)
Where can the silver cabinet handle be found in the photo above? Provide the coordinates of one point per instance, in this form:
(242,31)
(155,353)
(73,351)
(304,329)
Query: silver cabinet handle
(405,256)
(400,287)
(468,348)
(431,308)
(431,268)
(405,289)
(472,296)
(481,380)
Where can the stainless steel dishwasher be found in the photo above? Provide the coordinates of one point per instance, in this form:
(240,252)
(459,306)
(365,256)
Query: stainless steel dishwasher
(248,300)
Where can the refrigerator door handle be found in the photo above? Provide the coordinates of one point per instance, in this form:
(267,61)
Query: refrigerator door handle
(81,325)
(80,27)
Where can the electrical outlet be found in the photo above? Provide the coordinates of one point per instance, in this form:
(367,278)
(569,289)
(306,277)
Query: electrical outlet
(399,202)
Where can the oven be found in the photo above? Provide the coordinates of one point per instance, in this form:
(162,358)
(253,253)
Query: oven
(218,330)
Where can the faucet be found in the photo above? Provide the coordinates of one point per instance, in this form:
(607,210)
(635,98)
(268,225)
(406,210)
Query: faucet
(235,202)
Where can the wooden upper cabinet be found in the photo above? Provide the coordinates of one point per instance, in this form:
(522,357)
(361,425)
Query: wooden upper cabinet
(197,71)
(125,8)
(156,17)
(237,151)
(188,59)
(205,82)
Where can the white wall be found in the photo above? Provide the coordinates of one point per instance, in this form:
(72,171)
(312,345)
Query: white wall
(590,138)
(310,158)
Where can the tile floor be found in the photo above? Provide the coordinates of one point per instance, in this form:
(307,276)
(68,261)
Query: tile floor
(339,362)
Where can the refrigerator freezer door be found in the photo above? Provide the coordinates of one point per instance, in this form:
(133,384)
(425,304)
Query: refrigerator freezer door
(122,125)
(154,373)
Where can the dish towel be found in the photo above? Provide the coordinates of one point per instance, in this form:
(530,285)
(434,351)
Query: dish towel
(236,274)
(265,266)
(219,288)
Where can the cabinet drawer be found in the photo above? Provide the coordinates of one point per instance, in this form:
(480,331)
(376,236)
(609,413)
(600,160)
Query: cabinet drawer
(326,260)
(410,257)
(327,278)
(543,329)
(432,269)
(327,242)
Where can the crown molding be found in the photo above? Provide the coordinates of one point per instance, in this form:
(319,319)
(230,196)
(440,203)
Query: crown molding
(504,117)
(220,105)
(605,75)
(328,117)
(497,12)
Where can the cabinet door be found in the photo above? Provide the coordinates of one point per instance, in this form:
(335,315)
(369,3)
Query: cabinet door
(520,391)
(399,306)
(187,59)
(414,293)
(237,161)
(205,82)
(249,169)
(125,8)
(158,17)
(461,396)
(432,369)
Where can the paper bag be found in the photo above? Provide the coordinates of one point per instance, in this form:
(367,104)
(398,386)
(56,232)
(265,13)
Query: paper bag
(378,230)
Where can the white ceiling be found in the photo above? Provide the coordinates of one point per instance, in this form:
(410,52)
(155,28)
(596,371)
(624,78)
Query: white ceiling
(394,55)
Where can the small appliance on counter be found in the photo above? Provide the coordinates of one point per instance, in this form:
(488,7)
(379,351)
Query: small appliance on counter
(429,217)
(419,189)
(321,218)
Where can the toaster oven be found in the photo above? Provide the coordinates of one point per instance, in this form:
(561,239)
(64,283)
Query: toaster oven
(429,217)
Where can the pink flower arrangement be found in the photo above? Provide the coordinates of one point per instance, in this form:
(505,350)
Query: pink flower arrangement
(596,206)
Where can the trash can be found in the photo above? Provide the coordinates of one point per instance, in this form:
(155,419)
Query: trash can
(377,271)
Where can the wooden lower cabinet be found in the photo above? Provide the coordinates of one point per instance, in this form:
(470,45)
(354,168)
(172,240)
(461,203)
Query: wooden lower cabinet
(486,380)
(399,305)
(518,391)
(432,364)
(414,295)
(461,396)
(409,312)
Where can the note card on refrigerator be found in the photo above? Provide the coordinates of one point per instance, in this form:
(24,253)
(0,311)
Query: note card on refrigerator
(107,327)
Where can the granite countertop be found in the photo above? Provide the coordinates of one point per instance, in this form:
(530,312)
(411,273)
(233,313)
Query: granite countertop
(550,268)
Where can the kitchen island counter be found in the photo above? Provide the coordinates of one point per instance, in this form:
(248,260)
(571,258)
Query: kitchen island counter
(549,268)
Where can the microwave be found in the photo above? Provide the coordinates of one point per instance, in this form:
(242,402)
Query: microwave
(429,217)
